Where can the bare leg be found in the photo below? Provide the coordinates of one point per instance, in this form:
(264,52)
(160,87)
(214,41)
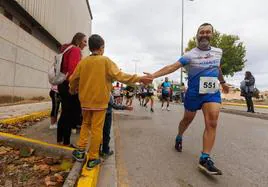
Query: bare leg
(186,121)
(211,113)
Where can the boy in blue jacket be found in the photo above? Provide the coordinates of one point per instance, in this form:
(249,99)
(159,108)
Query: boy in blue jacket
(105,149)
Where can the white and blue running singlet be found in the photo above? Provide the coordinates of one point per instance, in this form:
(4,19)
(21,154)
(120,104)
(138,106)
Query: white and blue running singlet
(203,72)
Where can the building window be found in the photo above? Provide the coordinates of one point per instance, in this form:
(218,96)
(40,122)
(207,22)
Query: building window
(26,28)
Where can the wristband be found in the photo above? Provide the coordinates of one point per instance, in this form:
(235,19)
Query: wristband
(222,82)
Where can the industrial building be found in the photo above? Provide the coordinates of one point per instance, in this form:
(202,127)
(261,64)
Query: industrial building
(31,32)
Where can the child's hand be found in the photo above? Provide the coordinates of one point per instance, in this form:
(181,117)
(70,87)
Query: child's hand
(130,108)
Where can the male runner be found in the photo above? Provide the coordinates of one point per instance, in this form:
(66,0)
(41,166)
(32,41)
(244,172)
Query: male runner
(117,93)
(143,94)
(166,89)
(129,95)
(150,97)
(204,75)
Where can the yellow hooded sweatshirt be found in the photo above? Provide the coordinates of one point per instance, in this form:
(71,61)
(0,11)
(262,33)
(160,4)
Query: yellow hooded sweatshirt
(93,78)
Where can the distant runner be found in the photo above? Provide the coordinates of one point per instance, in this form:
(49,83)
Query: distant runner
(166,91)
(117,93)
(150,97)
(129,95)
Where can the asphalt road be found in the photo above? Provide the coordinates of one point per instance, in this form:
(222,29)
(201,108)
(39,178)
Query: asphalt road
(146,156)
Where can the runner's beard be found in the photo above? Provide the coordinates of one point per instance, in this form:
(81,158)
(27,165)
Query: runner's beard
(204,43)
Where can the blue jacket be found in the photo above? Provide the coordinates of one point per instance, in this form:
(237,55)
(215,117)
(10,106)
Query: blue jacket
(112,105)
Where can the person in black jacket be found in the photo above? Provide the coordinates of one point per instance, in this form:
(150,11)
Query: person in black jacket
(247,89)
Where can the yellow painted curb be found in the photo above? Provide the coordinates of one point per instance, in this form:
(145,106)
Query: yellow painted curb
(27,117)
(89,178)
(240,104)
(7,135)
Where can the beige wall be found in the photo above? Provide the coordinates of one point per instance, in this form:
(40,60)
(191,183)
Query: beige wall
(25,58)
(24,62)
(72,16)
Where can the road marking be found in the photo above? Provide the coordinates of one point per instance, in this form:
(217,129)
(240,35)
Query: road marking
(240,104)
(7,135)
(27,117)
(88,178)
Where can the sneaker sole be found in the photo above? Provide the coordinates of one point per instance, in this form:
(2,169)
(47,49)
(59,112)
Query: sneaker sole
(77,159)
(208,172)
(88,168)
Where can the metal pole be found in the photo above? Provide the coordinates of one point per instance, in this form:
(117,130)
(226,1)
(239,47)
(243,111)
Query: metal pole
(135,67)
(182,20)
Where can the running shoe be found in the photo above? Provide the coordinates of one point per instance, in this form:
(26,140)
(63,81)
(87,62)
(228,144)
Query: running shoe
(106,155)
(74,131)
(79,155)
(207,165)
(178,145)
(92,163)
(53,126)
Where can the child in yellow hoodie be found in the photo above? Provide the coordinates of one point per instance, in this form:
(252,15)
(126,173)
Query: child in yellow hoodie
(92,79)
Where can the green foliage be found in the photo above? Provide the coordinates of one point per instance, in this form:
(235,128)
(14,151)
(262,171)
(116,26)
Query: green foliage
(234,52)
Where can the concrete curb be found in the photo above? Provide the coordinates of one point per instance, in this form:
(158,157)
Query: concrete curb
(50,149)
(108,173)
(74,174)
(28,117)
(39,146)
(247,114)
(88,178)
(42,148)
(240,104)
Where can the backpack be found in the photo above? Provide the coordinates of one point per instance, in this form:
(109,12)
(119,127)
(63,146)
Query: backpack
(256,93)
(55,76)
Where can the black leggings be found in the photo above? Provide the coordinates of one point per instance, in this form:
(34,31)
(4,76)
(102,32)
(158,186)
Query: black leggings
(55,98)
(70,116)
(249,103)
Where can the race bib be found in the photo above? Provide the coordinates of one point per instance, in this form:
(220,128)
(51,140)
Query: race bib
(208,85)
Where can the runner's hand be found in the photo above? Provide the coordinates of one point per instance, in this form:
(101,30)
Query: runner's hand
(147,79)
(149,74)
(225,88)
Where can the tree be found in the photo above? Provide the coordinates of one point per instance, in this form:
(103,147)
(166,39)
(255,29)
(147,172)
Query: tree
(234,52)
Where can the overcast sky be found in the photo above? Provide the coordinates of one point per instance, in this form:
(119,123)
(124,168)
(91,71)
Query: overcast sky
(148,32)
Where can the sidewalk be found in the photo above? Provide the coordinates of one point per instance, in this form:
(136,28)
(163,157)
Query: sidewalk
(20,110)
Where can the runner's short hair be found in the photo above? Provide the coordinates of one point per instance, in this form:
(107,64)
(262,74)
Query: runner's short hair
(95,42)
(206,24)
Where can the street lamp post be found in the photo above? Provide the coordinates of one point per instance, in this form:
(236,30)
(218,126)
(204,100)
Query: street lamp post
(135,61)
(182,24)
(182,20)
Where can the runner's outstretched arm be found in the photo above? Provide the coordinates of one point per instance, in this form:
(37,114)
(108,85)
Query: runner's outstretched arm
(166,70)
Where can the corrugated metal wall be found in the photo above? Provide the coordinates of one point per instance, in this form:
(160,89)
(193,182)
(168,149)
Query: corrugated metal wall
(61,18)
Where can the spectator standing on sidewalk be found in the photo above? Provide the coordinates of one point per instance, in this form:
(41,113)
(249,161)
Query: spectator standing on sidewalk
(247,89)
(93,79)
(105,148)
(71,110)
(55,98)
